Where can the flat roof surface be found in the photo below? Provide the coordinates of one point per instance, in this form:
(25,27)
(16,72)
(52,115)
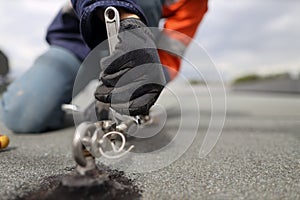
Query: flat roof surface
(256,157)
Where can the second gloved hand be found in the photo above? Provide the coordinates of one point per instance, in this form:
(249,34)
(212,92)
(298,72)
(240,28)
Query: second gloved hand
(132,77)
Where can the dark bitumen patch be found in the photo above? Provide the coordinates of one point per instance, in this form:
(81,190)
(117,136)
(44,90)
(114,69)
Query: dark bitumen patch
(102,183)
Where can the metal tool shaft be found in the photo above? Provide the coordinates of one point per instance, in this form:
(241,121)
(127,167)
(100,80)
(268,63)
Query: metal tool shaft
(112,22)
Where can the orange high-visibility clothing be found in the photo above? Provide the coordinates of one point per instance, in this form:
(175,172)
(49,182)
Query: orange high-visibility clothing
(183,17)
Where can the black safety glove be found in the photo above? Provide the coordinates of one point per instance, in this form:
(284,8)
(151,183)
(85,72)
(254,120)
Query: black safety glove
(132,77)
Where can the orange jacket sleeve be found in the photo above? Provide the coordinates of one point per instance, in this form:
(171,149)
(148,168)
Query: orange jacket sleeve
(183,17)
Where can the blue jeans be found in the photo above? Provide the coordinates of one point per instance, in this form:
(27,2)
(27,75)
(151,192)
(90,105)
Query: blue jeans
(33,102)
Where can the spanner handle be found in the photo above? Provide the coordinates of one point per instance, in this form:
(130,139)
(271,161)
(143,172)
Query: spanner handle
(112,22)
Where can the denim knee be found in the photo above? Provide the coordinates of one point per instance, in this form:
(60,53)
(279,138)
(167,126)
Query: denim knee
(33,102)
(20,124)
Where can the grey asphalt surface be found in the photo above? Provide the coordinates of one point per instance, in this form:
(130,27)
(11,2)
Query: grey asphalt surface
(256,157)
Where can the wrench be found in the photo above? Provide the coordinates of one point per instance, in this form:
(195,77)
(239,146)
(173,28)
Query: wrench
(112,22)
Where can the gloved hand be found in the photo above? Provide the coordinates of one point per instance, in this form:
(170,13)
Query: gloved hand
(132,77)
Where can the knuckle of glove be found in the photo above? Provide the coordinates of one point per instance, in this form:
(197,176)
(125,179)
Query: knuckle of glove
(103,93)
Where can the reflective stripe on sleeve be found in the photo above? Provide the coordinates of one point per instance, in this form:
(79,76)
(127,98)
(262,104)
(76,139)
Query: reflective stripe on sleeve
(170,44)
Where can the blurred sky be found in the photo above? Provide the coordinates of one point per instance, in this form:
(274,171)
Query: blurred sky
(240,36)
